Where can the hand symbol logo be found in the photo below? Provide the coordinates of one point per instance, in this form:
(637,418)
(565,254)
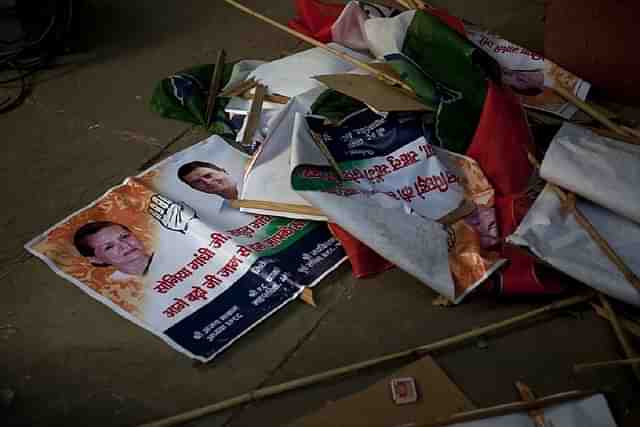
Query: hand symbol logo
(172,216)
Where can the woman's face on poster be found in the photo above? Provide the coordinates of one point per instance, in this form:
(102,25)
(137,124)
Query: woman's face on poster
(116,246)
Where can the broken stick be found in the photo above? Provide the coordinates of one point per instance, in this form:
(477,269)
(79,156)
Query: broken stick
(238,88)
(276,207)
(339,372)
(215,86)
(307,297)
(253,119)
(360,64)
(274,97)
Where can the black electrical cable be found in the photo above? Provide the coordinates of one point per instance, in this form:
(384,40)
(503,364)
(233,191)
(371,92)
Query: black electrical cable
(26,55)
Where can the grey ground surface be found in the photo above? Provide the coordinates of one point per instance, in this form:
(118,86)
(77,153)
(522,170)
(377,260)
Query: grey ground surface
(72,361)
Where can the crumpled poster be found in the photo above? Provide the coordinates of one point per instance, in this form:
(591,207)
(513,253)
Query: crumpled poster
(604,171)
(379,178)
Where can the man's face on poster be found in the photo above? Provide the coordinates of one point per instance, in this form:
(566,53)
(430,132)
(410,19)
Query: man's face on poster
(212,181)
(115,245)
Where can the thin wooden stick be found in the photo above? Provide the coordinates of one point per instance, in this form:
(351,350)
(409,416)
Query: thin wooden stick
(604,246)
(510,408)
(253,119)
(631,327)
(215,85)
(276,207)
(339,372)
(414,4)
(239,88)
(405,4)
(622,337)
(590,110)
(631,131)
(307,297)
(569,203)
(420,5)
(363,65)
(274,97)
(608,364)
(537,415)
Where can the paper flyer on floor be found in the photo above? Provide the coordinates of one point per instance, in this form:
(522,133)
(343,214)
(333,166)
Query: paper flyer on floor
(165,250)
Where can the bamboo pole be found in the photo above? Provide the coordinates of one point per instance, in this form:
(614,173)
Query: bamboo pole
(622,337)
(589,109)
(339,372)
(360,64)
(537,415)
(608,364)
(630,326)
(277,207)
(510,408)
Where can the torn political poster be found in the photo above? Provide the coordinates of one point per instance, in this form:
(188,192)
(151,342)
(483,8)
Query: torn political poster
(166,251)
(530,75)
(379,177)
(360,25)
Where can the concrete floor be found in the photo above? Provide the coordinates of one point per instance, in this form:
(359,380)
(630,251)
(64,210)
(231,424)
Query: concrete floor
(72,361)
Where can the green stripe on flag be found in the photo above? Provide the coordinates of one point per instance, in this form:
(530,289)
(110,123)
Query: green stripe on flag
(457,70)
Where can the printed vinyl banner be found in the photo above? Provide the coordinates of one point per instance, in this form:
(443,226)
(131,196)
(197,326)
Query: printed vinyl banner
(166,251)
(379,177)
(530,75)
